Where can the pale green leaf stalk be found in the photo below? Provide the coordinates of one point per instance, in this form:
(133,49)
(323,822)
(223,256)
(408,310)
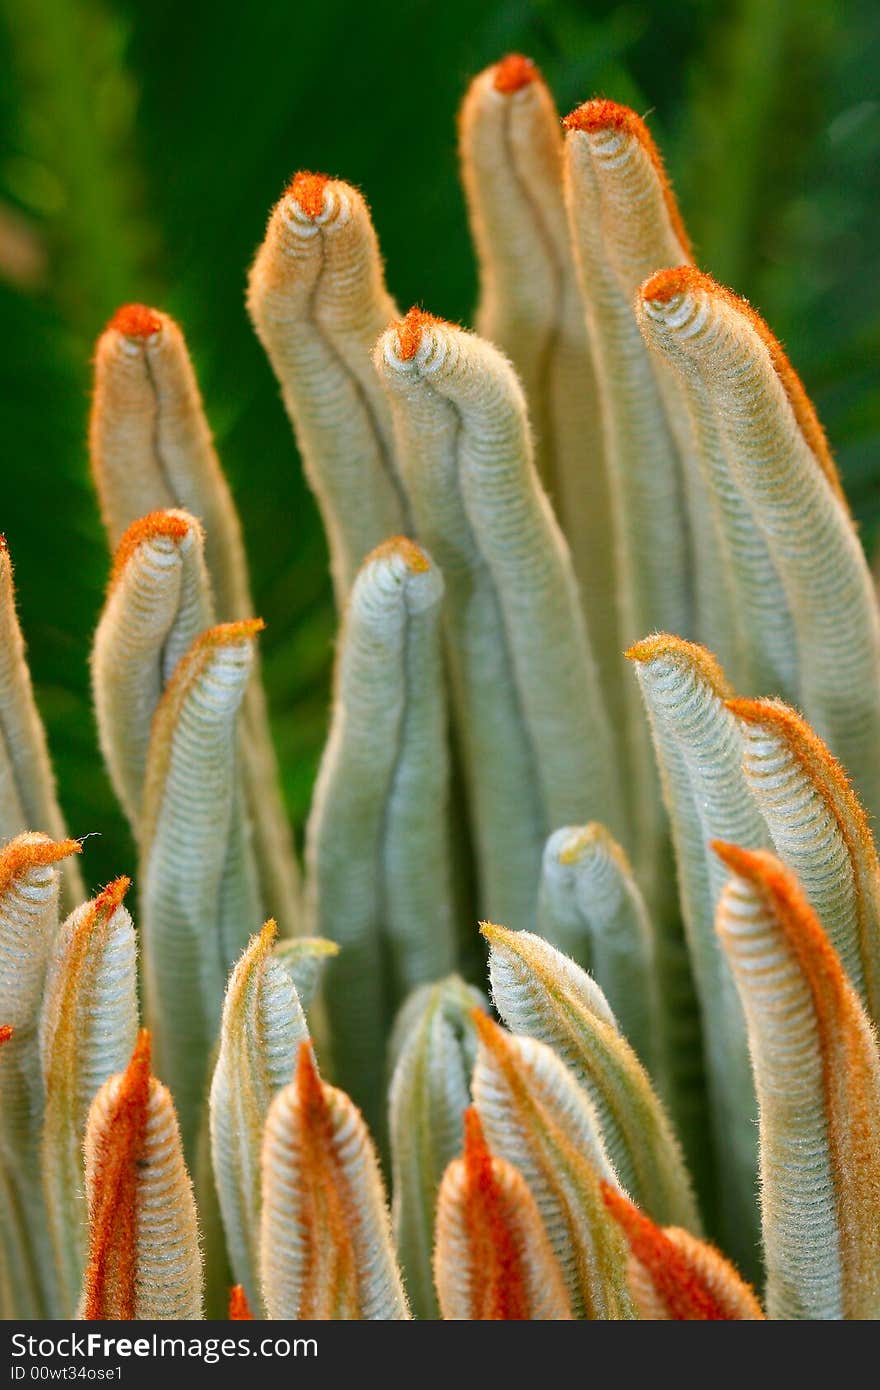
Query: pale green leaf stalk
(158,602)
(318,302)
(199,897)
(821,833)
(531,719)
(784,468)
(29,889)
(699,749)
(590,907)
(537,1117)
(542,994)
(28,800)
(377,846)
(326,1243)
(88,1031)
(151,450)
(433,1049)
(263,1025)
(817,1072)
(144,1257)
(511,152)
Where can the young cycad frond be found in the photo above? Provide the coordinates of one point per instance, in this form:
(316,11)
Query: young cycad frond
(158,602)
(318,302)
(817,1072)
(699,749)
(144,1260)
(200,901)
(493,1259)
(88,1029)
(152,450)
(29,889)
(27,784)
(675,1276)
(530,307)
(326,1236)
(541,993)
(432,1053)
(538,1118)
(781,462)
(377,847)
(239,1308)
(820,831)
(531,718)
(590,907)
(305,958)
(262,1028)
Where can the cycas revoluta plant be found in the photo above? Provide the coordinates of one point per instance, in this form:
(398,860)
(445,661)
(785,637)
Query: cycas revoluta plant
(621,458)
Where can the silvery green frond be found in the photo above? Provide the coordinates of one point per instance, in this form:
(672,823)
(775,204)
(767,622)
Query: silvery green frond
(305,958)
(590,907)
(530,714)
(530,307)
(144,1260)
(326,1240)
(699,749)
(537,1117)
(432,1053)
(158,602)
(817,1072)
(783,466)
(29,890)
(493,1260)
(542,994)
(377,849)
(88,1029)
(199,895)
(262,1027)
(151,450)
(28,801)
(318,302)
(821,833)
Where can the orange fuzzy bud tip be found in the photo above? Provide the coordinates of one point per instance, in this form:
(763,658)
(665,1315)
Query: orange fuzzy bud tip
(412,554)
(666,284)
(239,1308)
(136,321)
(684,1295)
(513,73)
(308,191)
(409,332)
(6,1031)
(110,898)
(602,114)
(146,528)
(24,854)
(111,1269)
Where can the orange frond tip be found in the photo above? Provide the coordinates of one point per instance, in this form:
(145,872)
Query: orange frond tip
(409,332)
(6,1031)
(163,524)
(239,1308)
(111,897)
(309,1087)
(32,851)
(691,1281)
(664,644)
(513,73)
(307,191)
(227,634)
(411,553)
(136,321)
(665,285)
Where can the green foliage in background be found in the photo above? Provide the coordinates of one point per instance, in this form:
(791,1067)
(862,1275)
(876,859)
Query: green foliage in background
(142,146)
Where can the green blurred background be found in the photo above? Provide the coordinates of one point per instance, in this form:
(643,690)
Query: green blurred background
(143,144)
